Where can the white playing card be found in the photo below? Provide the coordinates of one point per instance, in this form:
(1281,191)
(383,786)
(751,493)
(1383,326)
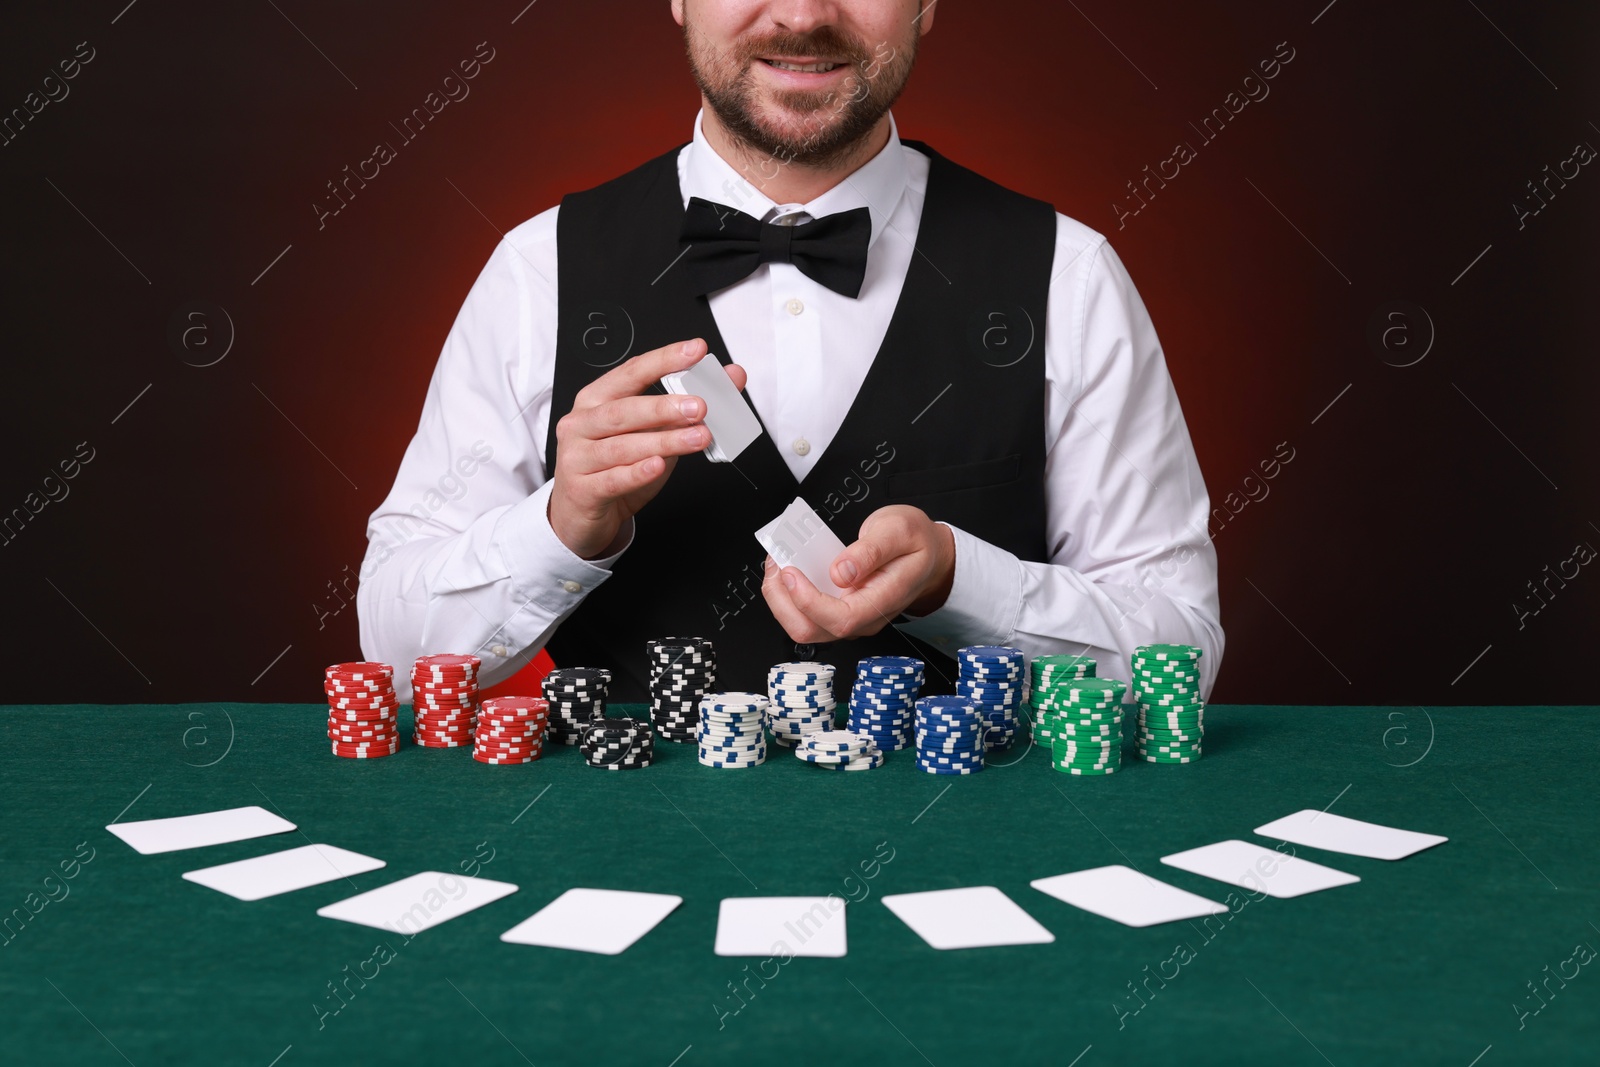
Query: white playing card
(732,424)
(799,539)
(1260,870)
(973,917)
(781,926)
(414,904)
(593,920)
(151,836)
(283,872)
(1122,893)
(1319,829)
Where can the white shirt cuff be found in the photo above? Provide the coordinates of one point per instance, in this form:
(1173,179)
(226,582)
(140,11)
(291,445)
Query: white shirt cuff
(985,598)
(542,568)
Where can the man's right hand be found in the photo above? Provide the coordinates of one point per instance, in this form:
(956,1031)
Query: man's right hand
(616,447)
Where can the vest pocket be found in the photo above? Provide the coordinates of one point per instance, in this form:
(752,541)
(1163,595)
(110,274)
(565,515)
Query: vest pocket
(981,475)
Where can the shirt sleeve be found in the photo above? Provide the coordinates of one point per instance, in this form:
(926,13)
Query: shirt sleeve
(460,555)
(1130,561)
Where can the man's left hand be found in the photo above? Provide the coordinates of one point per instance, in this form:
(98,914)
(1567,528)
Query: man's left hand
(902,562)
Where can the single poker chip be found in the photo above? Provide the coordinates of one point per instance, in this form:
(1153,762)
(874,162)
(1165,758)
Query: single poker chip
(1109,769)
(373,726)
(358,671)
(499,760)
(934,769)
(986,653)
(836,741)
(353,717)
(374,687)
(891,665)
(362,747)
(446,660)
(826,757)
(728,765)
(871,762)
(1186,653)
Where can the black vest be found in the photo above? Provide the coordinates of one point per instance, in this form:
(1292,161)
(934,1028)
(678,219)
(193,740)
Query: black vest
(950,419)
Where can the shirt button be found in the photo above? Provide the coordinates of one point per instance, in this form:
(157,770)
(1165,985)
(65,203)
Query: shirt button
(801,446)
(498,650)
(572,587)
(795,307)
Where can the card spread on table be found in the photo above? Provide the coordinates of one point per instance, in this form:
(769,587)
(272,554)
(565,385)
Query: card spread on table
(1123,894)
(781,926)
(606,921)
(413,904)
(1319,829)
(1260,870)
(151,836)
(732,424)
(283,872)
(973,917)
(799,538)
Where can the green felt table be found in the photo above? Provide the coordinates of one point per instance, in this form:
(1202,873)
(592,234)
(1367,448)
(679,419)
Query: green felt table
(1428,959)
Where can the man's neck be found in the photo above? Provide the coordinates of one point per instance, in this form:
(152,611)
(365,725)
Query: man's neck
(789,183)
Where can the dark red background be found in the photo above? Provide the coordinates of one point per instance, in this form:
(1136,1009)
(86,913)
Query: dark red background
(194,547)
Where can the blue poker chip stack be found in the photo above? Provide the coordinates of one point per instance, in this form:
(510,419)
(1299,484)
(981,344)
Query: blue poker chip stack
(992,678)
(733,729)
(801,701)
(883,700)
(949,736)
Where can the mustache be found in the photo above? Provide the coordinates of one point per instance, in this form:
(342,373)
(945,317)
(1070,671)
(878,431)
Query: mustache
(825,41)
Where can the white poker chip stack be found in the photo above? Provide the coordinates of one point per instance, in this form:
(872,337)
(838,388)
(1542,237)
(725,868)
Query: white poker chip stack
(840,750)
(733,729)
(801,701)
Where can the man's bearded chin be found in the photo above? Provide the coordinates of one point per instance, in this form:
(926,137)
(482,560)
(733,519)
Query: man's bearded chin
(809,127)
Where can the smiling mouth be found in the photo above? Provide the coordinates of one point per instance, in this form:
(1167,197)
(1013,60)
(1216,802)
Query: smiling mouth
(817,67)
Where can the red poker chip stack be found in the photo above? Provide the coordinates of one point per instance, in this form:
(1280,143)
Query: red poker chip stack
(510,730)
(363,710)
(444,696)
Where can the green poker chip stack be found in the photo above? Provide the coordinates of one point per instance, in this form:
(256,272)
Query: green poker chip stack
(1080,721)
(1045,671)
(1166,689)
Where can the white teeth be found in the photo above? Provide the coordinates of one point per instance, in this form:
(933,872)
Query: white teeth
(808,68)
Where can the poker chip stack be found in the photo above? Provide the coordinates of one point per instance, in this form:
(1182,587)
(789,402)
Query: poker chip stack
(618,744)
(883,700)
(510,730)
(839,750)
(444,696)
(363,710)
(733,729)
(682,670)
(1166,686)
(1080,721)
(577,697)
(991,679)
(800,700)
(1045,671)
(949,735)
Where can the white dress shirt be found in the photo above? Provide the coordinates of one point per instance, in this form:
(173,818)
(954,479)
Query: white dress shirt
(461,556)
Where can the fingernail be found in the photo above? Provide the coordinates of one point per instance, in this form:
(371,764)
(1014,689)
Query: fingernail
(690,408)
(788,581)
(848,569)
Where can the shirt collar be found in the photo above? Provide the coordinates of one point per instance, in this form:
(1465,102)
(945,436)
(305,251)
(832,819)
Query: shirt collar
(876,185)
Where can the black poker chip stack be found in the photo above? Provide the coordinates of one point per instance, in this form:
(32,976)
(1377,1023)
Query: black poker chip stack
(682,670)
(577,697)
(618,744)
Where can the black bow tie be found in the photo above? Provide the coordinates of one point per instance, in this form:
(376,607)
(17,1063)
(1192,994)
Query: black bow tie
(726,246)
